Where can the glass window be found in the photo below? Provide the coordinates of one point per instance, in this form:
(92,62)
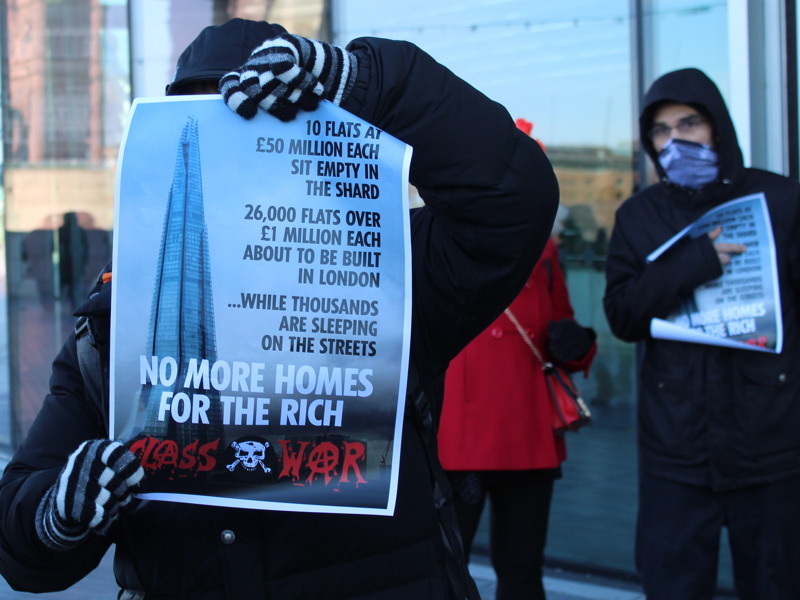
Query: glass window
(5,387)
(565,66)
(69,89)
(694,33)
(67,66)
(686,33)
(163,28)
(681,34)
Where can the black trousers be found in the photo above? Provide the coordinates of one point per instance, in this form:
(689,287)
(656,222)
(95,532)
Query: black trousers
(520,509)
(678,537)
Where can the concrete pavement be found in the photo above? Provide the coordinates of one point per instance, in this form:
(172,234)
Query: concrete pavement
(100,585)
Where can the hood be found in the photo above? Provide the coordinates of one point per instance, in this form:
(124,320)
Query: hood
(220,49)
(693,87)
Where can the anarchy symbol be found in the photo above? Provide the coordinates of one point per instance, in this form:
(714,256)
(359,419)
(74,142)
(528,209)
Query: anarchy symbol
(322,461)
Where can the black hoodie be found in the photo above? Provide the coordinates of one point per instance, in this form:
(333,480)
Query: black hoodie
(718,417)
(693,87)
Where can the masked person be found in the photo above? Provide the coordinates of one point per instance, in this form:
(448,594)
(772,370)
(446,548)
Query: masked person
(490,198)
(718,441)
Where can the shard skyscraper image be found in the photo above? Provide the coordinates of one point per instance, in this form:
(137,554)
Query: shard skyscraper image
(182,311)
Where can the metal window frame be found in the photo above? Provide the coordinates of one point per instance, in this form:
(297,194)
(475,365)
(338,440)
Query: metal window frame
(763,98)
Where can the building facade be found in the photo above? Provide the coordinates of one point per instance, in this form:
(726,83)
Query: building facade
(577,69)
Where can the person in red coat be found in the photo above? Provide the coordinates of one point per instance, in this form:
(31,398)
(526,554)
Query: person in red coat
(495,436)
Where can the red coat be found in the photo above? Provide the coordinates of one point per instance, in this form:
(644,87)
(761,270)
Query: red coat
(496,413)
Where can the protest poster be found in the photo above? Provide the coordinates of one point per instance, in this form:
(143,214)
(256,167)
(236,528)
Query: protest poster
(261,306)
(740,309)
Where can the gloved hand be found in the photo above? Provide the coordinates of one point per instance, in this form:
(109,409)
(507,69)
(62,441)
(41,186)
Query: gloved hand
(95,484)
(568,341)
(287,73)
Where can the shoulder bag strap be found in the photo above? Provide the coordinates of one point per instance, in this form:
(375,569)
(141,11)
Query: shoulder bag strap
(546,365)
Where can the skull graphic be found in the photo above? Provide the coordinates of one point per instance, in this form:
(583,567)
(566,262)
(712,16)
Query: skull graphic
(250,454)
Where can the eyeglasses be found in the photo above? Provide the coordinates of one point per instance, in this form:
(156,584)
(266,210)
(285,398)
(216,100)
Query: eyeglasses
(685,126)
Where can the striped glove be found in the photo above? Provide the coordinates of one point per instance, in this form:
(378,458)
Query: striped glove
(94,485)
(287,73)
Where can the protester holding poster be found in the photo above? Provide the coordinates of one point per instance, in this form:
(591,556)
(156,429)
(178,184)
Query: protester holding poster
(490,198)
(718,424)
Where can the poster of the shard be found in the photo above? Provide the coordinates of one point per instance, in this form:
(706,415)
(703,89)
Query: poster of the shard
(261,306)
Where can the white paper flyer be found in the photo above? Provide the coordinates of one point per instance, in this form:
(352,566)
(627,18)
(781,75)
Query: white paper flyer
(740,309)
(261,306)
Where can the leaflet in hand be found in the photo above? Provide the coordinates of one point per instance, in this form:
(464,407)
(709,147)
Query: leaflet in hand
(740,309)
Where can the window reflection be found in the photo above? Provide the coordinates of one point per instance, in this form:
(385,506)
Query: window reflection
(63,259)
(687,33)
(566,67)
(65,105)
(680,34)
(66,100)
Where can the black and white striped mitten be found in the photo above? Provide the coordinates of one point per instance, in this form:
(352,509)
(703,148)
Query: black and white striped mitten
(95,484)
(289,73)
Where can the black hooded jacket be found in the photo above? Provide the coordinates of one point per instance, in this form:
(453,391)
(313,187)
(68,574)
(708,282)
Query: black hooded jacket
(716,417)
(491,196)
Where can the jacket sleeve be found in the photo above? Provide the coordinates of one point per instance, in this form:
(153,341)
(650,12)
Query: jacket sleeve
(490,193)
(66,419)
(638,291)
